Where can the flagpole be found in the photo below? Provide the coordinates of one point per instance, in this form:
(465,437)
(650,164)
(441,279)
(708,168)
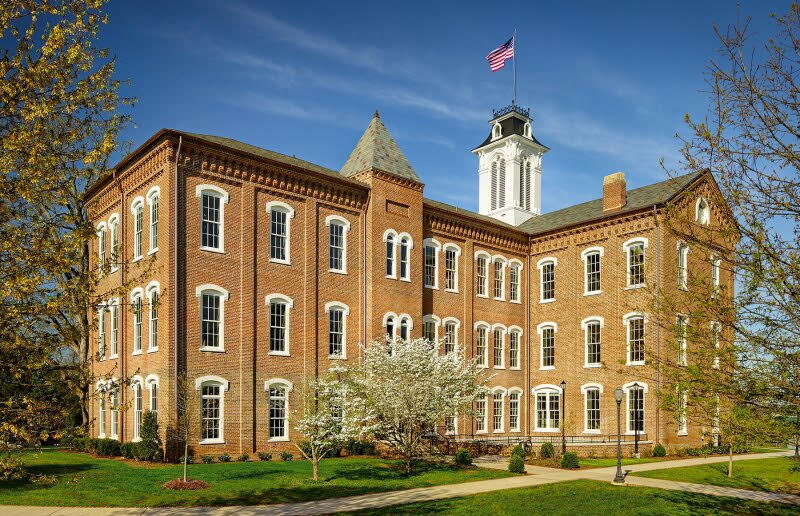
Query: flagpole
(514,103)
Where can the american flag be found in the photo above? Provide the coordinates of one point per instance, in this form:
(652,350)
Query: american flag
(497,57)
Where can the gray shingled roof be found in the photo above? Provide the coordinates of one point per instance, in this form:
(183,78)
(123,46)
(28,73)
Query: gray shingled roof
(377,150)
(508,127)
(638,198)
(461,211)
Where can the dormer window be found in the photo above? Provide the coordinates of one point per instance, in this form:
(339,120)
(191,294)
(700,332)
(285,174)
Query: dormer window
(702,212)
(497,131)
(526,131)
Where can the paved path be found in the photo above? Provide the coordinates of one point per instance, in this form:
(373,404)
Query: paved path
(537,475)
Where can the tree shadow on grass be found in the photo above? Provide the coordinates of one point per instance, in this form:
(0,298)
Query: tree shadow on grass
(703,504)
(58,470)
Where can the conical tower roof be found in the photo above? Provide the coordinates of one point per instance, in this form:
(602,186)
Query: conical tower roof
(377,150)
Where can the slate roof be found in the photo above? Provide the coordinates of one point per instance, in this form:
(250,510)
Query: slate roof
(508,126)
(377,150)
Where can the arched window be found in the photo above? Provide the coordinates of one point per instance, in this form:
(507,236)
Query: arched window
(514,346)
(681,412)
(715,263)
(498,417)
(430,276)
(152,200)
(591,405)
(592,340)
(547,408)
(212,217)
(430,328)
(527,189)
(635,407)
(212,317)
(390,323)
(114,410)
(152,300)
(635,250)
(499,275)
(101,247)
(279,308)
(683,271)
(113,228)
(101,415)
(136,385)
(702,211)
(481,344)
(404,328)
(337,329)
(591,267)
(389,237)
(337,243)
(152,383)
(101,331)
(136,307)
(681,325)
(451,326)
(635,334)
(494,185)
(527,129)
(480,416)
(212,408)
(547,279)
(514,395)
(547,347)
(499,346)
(501,184)
(278,390)
(280,215)
(482,274)
(114,304)
(515,270)
(406,244)
(137,209)
(451,255)
(497,131)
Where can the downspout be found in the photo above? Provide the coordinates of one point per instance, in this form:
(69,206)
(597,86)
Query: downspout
(119,263)
(364,267)
(175,316)
(658,321)
(528,333)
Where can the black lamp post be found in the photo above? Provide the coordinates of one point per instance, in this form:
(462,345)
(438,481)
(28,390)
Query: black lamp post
(636,389)
(563,410)
(619,478)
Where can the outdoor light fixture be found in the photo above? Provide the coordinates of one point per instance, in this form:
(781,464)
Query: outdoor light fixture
(619,478)
(563,410)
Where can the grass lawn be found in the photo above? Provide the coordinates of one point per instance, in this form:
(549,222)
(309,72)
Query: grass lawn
(588,497)
(758,474)
(606,462)
(84,480)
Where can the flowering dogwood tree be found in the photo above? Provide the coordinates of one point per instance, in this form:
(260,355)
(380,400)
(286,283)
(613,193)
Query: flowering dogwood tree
(401,394)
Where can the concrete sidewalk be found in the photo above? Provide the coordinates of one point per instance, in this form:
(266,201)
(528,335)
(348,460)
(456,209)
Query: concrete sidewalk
(537,475)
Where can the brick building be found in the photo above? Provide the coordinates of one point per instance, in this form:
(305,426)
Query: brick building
(251,271)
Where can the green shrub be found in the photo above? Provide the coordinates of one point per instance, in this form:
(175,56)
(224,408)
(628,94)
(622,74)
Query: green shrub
(516,464)
(189,460)
(547,451)
(795,468)
(91,444)
(463,457)
(225,457)
(79,443)
(243,457)
(570,461)
(207,459)
(659,451)
(149,447)
(108,447)
(518,451)
(126,450)
(359,447)
(264,456)
(286,456)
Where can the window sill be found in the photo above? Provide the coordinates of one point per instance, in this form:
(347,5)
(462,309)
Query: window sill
(407,280)
(115,437)
(683,288)
(280,262)
(499,367)
(485,296)
(592,293)
(434,287)
(338,271)
(515,368)
(213,249)
(391,277)
(337,357)
(152,251)
(212,349)
(501,431)
(212,441)
(547,368)
(113,270)
(548,430)
(137,353)
(631,432)
(515,301)
(635,364)
(593,432)
(683,433)
(481,432)
(136,259)
(278,439)
(499,298)
(634,287)
(592,366)
(516,431)
(545,301)
(112,357)
(452,290)
(278,353)
(136,439)
(152,350)
(101,436)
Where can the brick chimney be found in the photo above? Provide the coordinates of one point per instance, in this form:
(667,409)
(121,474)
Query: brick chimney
(614,192)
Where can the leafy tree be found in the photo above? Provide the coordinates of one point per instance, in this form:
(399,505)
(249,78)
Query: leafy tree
(400,395)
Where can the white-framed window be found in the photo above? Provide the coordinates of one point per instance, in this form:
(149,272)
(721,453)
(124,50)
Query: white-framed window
(212,408)
(430,276)
(397,326)
(547,408)
(405,327)
(406,244)
(683,271)
(136,307)
(499,346)
(635,392)
(514,395)
(481,344)
(681,326)
(101,332)
(715,262)
(280,217)
(137,211)
(113,229)
(101,247)
(592,327)
(591,407)
(592,258)
(279,307)
(390,323)
(136,385)
(716,332)
(337,328)
(450,425)
(430,328)
(152,384)
(451,325)
(635,331)
(212,217)
(547,279)
(482,274)
(212,316)
(499,276)
(635,270)
(338,227)
(451,256)
(101,415)
(514,271)
(547,345)
(114,410)
(153,196)
(702,213)
(498,418)
(152,290)
(514,346)
(114,306)
(480,416)
(278,391)
(681,412)
(390,238)
(497,131)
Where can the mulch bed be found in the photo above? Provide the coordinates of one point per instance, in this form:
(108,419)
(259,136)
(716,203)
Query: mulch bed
(190,485)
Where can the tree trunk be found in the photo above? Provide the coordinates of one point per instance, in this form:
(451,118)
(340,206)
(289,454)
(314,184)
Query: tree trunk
(315,467)
(83,345)
(730,460)
(185,456)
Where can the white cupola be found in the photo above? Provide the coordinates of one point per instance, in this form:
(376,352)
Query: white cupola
(510,168)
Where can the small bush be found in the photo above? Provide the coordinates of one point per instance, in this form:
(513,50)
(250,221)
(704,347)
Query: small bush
(147,451)
(126,450)
(659,451)
(264,456)
(359,447)
(518,451)
(286,456)
(547,451)
(516,464)
(108,447)
(225,457)
(78,443)
(207,459)
(463,457)
(243,457)
(190,459)
(570,461)
(91,444)
(795,468)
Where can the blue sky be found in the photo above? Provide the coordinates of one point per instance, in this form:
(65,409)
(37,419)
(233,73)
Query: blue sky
(608,83)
